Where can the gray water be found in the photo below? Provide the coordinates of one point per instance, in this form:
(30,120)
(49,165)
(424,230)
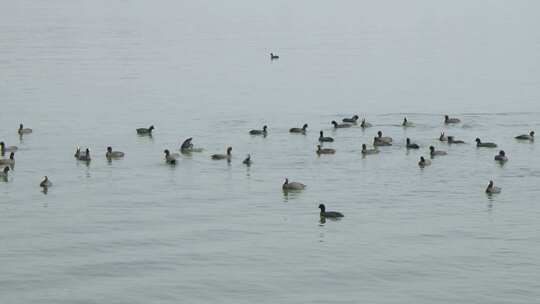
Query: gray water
(139,231)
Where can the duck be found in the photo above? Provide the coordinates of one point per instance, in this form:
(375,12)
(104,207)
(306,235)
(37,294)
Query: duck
(322,138)
(424,162)
(273,56)
(433,152)
(443,137)
(501,157)
(22,130)
(364,124)
(302,130)
(379,143)
(45,183)
(170,158)
(145,131)
(247,161)
(491,189)
(325,150)
(223,156)
(9,161)
(353,119)
(329,214)
(4,148)
(292,185)
(448,120)
(83,156)
(4,173)
(406,123)
(451,140)
(264,131)
(187,145)
(340,126)
(411,145)
(113,154)
(479,144)
(383,138)
(529,136)
(366,151)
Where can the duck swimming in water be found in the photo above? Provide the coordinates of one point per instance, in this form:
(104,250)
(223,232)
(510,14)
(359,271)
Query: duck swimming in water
(424,162)
(83,156)
(481,144)
(411,145)
(329,214)
(491,189)
(247,161)
(383,138)
(22,130)
(170,158)
(299,130)
(448,120)
(7,149)
(110,154)
(433,152)
(322,138)
(292,185)
(325,150)
(406,123)
(145,131)
(529,136)
(501,157)
(223,156)
(352,120)
(366,151)
(9,161)
(45,183)
(340,126)
(379,143)
(364,124)
(263,132)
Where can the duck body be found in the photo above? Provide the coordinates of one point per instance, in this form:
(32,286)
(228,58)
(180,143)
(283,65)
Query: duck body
(424,162)
(433,152)
(45,183)
(452,140)
(386,139)
(366,151)
(145,131)
(299,130)
(325,150)
(113,154)
(322,138)
(448,120)
(22,130)
(379,143)
(8,161)
(352,120)
(491,189)
(481,144)
(329,214)
(7,149)
(340,126)
(223,156)
(529,136)
(264,131)
(411,145)
(292,185)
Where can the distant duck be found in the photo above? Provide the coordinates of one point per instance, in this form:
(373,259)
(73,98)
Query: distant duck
(325,150)
(5,149)
(4,173)
(366,151)
(264,131)
(273,57)
(364,124)
(411,145)
(23,130)
(145,131)
(329,214)
(247,161)
(223,156)
(187,145)
(353,119)
(433,152)
(113,154)
(501,157)
(322,138)
(406,123)
(491,189)
(9,161)
(83,156)
(443,137)
(479,144)
(340,126)
(293,185)
(452,140)
(424,162)
(383,138)
(170,158)
(379,143)
(448,120)
(45,183)
(299,130)
(529,136)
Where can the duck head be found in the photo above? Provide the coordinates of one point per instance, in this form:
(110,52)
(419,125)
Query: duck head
(229,149)
(305,127)
(322,207)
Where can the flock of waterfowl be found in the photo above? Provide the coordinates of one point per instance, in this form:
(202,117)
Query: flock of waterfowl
(188,147)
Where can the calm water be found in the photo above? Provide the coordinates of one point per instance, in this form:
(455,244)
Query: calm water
(139,231)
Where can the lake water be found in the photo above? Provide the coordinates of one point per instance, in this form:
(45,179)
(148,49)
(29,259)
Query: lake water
(139,231)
